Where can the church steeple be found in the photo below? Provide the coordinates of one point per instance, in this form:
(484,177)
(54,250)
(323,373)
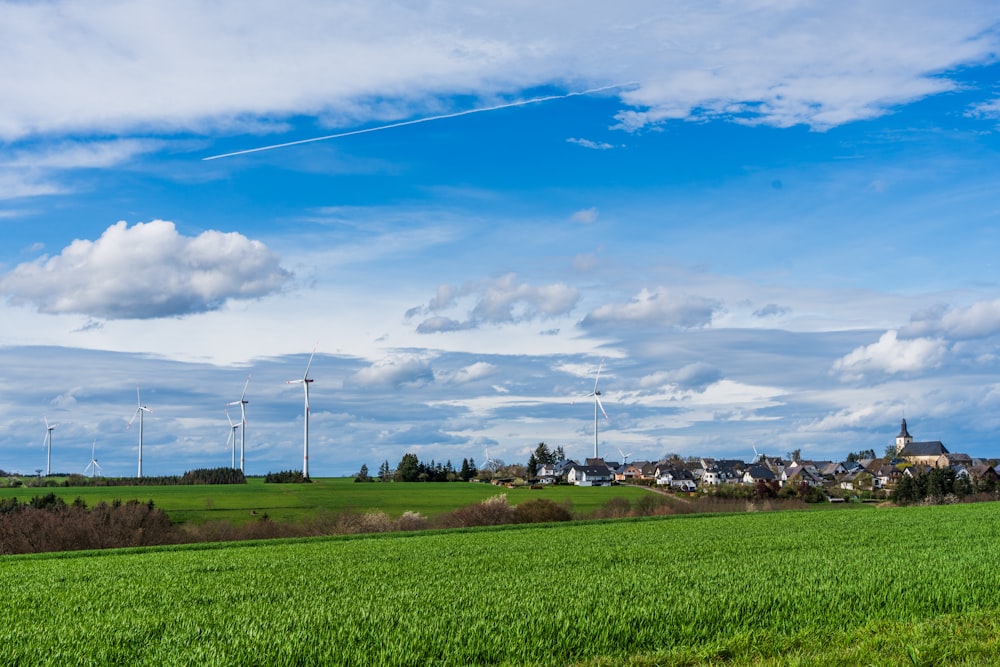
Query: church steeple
(904,438)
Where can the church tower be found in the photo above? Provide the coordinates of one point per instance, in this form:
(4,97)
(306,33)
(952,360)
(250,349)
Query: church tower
(904,438)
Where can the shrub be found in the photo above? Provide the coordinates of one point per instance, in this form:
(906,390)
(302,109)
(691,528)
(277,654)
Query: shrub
(540,510)
(491,512)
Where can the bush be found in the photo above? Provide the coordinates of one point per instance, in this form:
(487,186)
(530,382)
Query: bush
(286,477)
(540,510)
(491,512)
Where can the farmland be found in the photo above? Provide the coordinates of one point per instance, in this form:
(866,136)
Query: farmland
(296,502)
(886,586)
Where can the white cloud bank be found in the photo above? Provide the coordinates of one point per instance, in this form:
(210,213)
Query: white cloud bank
(192,66)
(892,355)
(147,271)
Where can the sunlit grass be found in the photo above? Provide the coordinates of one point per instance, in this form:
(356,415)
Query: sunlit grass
(893,586)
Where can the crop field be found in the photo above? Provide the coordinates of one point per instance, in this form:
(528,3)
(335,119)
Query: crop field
(885,586)
(295,502)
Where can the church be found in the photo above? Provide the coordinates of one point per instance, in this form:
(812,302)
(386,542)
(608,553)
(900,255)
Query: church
(926,453)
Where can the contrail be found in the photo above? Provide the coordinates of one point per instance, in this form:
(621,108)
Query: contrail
(428,119)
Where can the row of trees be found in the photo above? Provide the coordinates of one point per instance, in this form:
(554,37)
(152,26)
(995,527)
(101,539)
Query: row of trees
(411,469)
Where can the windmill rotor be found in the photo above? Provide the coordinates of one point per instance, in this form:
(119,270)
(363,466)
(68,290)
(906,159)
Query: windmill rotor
(93,468)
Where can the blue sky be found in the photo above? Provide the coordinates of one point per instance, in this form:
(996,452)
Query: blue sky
(777,223)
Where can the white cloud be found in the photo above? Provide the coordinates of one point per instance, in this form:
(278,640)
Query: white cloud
(891,355)
(594,145)
(146,271)
(473,372)
(196,65)
(585,215)
(698,376)
(396,370)
(657,307)
(990,109)
(497,301)
(980,320)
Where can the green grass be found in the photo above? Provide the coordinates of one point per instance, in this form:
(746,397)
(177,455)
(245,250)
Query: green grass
(296,502)
(884,587)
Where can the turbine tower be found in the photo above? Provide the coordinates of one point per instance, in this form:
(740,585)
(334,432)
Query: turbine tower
(232,436)
(243,422)
(596,394)
(305,380)
(93,467)
(48,444)
(140,408)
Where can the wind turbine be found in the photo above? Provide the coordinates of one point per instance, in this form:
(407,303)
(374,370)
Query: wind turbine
(232,436)
(596,394)
(140,408)
(94,467)
(756,454)
(305,437)
(48,444)
(243,421)
(624,457)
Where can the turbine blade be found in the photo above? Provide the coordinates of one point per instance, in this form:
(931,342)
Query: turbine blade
(601,406)
(598,378)
(245,385)
(309,365)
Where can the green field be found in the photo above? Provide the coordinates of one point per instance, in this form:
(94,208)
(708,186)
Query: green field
(297,502)
(898,586)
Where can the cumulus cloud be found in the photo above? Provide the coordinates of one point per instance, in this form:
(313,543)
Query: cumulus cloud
(892,355)
(396,371)
(658,307)
(502,300)
(147,271)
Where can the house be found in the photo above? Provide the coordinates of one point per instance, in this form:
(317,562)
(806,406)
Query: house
(954,460)
(923,453)
(755,474)
(797,473)
(675,477)
(584,475)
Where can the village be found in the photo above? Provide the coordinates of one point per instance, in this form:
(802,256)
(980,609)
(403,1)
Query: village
(868,474)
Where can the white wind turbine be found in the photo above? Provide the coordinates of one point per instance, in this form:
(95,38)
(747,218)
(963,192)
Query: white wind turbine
(93,468)
(305,438)
(48,445)
(624,457)
(596,394)
(243,422)
(140,408)
(232,436)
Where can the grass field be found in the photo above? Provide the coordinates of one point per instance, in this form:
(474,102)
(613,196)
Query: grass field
(906,586)
(296,502)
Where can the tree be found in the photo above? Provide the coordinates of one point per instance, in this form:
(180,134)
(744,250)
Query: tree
(362,475)
(408,469)
(384,472)
(545,456)
(794,455)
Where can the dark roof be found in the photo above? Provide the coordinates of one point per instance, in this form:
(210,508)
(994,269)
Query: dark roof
(903,433)
(932,448)
(760,472)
